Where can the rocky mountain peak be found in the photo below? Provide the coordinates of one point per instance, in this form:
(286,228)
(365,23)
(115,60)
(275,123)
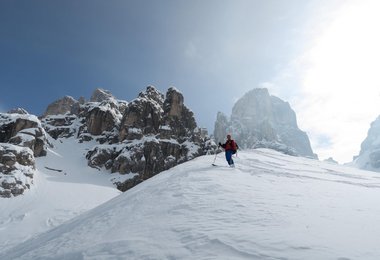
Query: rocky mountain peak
(153,94)
(142,115)
(19,111)
(258,105)
(176,114)
(61,106)
(261,120)
(100,95)
(173,105)
(156,134)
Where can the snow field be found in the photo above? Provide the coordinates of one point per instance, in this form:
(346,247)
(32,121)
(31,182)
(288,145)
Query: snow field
(64,187)
(271,206)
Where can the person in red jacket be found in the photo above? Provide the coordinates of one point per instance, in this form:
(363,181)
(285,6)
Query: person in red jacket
(230,147)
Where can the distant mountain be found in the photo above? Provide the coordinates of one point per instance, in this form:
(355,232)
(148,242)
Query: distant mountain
(259,120)
(369,156)
(331,160)
(138,139)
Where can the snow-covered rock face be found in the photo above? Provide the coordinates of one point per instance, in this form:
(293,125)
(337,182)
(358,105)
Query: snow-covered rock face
(143,115)
(61,126)
(156,133)
(103,117)
(139,139)
(16,169)
(369,156)
(150,134)
(24,130)
(261,120)
(21,139)
(98,119)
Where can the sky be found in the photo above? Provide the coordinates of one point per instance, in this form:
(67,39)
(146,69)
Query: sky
(319,55)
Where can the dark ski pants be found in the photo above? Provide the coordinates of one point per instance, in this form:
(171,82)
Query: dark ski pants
(229,157)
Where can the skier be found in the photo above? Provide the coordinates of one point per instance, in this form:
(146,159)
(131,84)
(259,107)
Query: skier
(230,147)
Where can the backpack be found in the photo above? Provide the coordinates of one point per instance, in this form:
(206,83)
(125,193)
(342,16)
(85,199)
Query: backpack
(237,147)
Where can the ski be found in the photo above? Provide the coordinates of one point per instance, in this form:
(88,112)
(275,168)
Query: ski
(223,166)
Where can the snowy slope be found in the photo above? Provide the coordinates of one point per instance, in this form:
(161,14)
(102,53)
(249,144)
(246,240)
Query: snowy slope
(272,206)
(63,190)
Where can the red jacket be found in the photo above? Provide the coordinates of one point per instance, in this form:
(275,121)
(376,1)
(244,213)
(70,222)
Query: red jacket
(230,145)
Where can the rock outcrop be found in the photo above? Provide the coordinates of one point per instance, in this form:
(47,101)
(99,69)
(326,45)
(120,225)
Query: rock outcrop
(260,120)
(61,126)
(16,169)
(369,156)
(23,130)
(97,119)
(103,113)
(100,95)
(143,115)
(61,106)
(21,139)
(156,133)
(139,139)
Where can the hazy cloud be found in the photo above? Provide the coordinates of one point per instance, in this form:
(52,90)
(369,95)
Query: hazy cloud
(334,86)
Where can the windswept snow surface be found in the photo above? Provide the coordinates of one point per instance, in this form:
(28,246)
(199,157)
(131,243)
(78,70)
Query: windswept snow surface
(64,187)
(271,206)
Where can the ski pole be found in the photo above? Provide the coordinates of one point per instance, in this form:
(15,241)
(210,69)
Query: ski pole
(215,157)
(216,154)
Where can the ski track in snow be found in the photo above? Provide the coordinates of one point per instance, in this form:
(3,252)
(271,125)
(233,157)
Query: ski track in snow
(271,206)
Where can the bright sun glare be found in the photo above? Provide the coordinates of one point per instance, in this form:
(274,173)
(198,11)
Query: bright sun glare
(342,81)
